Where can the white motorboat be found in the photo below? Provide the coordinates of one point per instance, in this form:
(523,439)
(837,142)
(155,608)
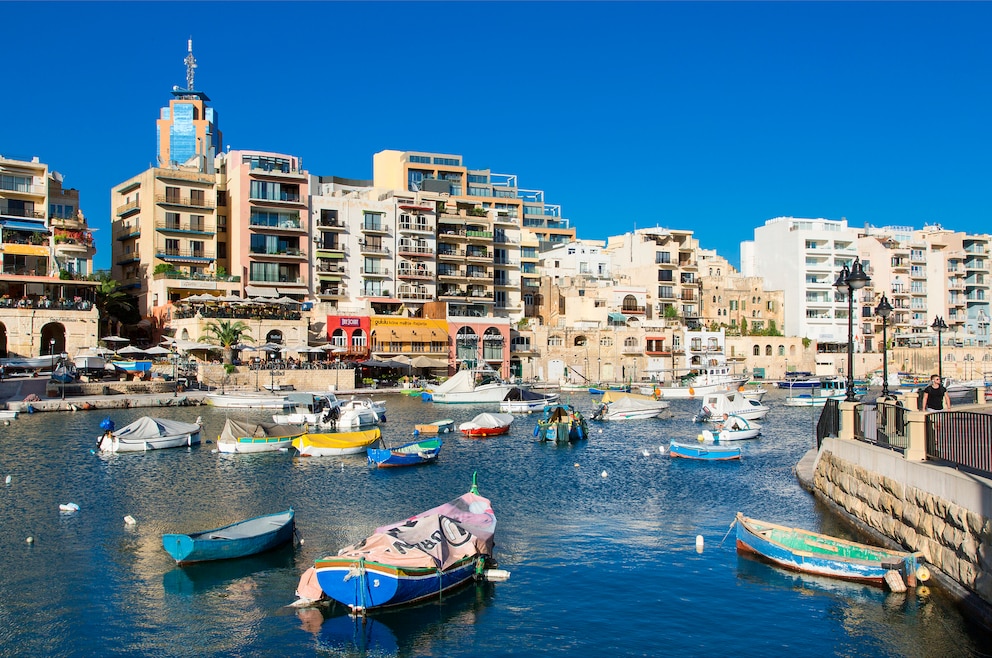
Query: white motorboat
(523,401)
(148,433)
(355,413)
(246,400)
(828,388)
(732,403)
(708,370)
(470,387)
(731,428)
(628,406)
(306,408)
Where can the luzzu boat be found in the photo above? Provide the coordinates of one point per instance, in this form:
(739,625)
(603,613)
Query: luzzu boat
(812,552)
(414,559)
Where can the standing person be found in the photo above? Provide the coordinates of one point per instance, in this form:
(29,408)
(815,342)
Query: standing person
(935,397)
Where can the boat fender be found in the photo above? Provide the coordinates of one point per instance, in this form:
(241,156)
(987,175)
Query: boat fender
(700,438)
(692,391)
(922,574)
(30,409)
(537,429)
(496,575)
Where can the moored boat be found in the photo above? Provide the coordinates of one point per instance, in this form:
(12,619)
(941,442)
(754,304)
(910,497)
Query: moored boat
(247,437)
(236,540)
(397,565)
(732,403)
(306,408)
(487,424)
(148,433)
(415,453)
(628,406)
(815,553)
(561,423)
(335,443)
(731,428)
(704,452)
(524,401)
(443,426)
(246,400)
(470,387)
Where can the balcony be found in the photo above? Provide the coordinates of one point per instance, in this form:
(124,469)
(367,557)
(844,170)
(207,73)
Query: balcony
(406,292)
(288,224)
(331,293)
(375,228)
(197,228)
(8,211)
(177,275)
(373,249)
(376,272)
(196,255)
(414,251)
(478,255)
(633,310)
(331,225)
(291,253)
(415,227)
(415,273)
(183,202)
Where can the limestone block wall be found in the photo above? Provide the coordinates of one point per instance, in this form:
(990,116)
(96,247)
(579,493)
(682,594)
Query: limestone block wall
(955,538)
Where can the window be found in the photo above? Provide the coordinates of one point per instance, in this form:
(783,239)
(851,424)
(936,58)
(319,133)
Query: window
(768,350)
(555,341)
(172,220)
(757,350)
(172,194)
(197,198)
(665,275)
(221,250)
(781,350)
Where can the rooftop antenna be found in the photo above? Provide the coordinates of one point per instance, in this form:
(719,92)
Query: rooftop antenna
(190,62)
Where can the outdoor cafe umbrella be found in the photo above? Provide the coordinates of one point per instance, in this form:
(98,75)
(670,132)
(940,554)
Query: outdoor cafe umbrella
(286,300)
(115,339)
(156,351)
(427,362)
(131,349)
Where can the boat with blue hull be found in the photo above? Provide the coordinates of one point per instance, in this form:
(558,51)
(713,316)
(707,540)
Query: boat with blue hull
(709,452)
(236,540)
(815,553)
(409,454)
(561,424)
(412,560)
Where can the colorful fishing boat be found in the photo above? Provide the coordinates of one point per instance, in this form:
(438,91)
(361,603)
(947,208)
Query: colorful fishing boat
(409,454)
(335,443)
(245,437)
(562,424)
(812,552)
(436,427)
(239,539)
(731,428)
(412,560)
(487,424)
(704,452)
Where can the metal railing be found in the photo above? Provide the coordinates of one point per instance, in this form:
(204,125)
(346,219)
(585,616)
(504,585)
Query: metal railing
(883,425)
(829,422)
(962,438)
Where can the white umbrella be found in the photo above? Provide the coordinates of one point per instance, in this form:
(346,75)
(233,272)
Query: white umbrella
(131,349)
(115,339)
(286,300)
(157,351)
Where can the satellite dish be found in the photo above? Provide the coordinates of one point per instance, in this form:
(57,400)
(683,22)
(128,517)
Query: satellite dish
(175,87)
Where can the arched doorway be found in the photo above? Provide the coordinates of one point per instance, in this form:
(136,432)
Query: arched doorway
(467,347)
(52,339)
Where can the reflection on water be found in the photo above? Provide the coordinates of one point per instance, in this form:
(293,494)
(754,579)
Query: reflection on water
(600,565)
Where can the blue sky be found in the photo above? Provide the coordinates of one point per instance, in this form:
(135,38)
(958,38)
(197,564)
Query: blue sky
(706,116)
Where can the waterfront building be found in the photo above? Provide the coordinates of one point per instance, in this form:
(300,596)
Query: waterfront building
(46,249)
(802,258)
(734,302)
(667,257)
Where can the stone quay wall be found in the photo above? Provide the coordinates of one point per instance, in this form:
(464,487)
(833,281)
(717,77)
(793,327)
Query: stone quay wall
(938,511)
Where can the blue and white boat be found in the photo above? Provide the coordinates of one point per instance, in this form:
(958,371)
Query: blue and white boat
(812,552)
(709,452)
(415,453)
(232,541)
(414,559)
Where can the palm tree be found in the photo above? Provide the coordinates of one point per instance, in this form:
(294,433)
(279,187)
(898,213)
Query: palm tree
(227,334)
(113,303)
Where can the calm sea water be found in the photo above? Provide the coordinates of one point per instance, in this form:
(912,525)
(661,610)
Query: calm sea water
(600,565)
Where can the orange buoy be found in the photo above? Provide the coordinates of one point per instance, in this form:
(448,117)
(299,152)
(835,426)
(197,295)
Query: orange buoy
(692,391)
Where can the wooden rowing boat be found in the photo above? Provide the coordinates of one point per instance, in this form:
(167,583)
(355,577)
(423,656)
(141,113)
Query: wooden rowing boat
(239,539)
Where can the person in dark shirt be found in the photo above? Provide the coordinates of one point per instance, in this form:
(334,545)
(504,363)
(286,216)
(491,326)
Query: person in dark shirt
(935,396)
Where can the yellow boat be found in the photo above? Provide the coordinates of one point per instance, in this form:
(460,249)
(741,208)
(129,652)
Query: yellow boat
(335,443)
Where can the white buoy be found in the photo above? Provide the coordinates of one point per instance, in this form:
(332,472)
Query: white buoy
(69,507)
(600,431)
(496,575)
(603,474)
(214,451)
(7,481)
(30,540)
(661,449)
(576,464)
(129,520)
(699,543)
(646,452)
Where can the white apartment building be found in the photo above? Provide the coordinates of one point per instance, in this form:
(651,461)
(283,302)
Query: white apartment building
(586,258)
(802,258)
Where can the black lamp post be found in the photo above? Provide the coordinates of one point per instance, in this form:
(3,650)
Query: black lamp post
(884,310)
(939,326)
(51,351)
(175,372)
(849,282)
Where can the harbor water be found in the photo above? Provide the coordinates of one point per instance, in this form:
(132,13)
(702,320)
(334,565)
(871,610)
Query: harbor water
(600,539)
